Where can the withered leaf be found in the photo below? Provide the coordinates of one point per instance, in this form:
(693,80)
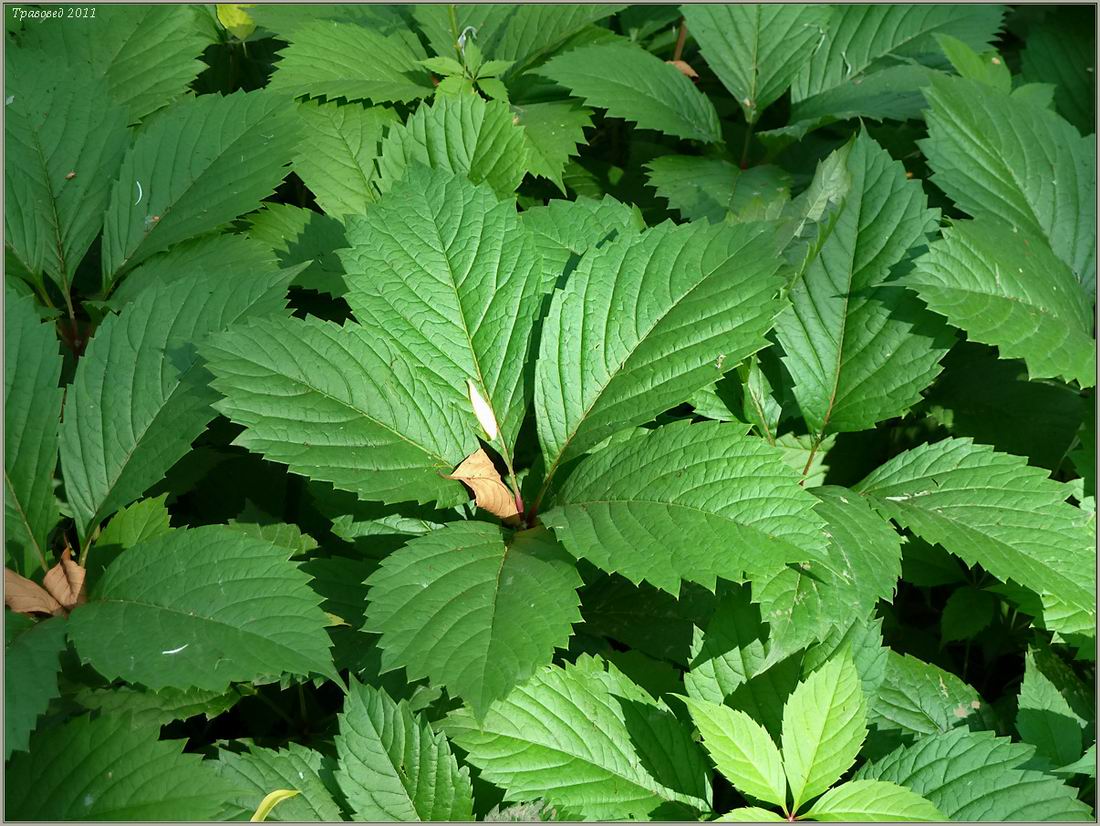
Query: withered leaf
(490,493)
(684,67)
(65,581)
(28,597)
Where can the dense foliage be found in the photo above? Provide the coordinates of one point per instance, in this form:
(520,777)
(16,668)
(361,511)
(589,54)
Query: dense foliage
(540,412)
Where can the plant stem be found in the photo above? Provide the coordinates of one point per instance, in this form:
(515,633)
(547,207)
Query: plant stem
(813,452)
(678,52)
(745,147)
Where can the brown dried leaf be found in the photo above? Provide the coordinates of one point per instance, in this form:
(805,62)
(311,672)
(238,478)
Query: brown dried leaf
(490,493)
(28,597)
(684,67)
(65,582)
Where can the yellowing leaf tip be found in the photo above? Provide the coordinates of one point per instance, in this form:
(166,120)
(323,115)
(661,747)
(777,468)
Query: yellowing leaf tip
(485,416)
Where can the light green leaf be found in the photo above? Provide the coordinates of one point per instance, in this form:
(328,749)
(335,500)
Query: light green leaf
(146,55)
(554,130)
(339,152)
(872,801)
(140,395)
(31,665)
(576,737)
(859,352)
(198,165)
(1003,158)
(988,67)
(1086,765)
(824,723)
(970,775)
(1053,709)
(463,134)
(631,83)
(147,709)
(256,772)
(216,607)
(918,697)
(32,407)
(750,814)
(862,641)
(451,276)
(686,502)
(1062,51)
(287,18)
(64,142)
(393,766)
(337,404)
(695,299)
(742,750)
(991,509)
(474,609)
(110,770)
(1008,289)
(756,50)
(862,564)
(326,58)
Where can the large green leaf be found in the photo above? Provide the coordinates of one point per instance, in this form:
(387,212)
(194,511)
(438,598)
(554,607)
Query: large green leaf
(474,609)
(1007,289)
(872,801)
(583,739)
(344,405)
(140,394)
(756,50)
(921,698)
(196,166)
(393,766)
(256,772)
(991,509)
(326,58)
(976,776)
(687,502)
(31,665)
(64,141)
(1054,708)
(32,408)
(859,352)
(824,723)
(215,606)
(146,55)
(453,277)
(631,83)
(107,769)
(742,750)
(463,134)
(1001,157)
(645,321)
(338,156)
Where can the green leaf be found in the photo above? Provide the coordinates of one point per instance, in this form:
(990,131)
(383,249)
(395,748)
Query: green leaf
(302,236)
(393,766)
(579,738)
(258,771)
(631,83)
(474,609)
(554,130)
(1053,708)
(729,651)
(64,141)
(750,814)
(1008,289)
(966,612)
(140,395)
(107,769)
(1086,765)
(147,55)
(980,143)
(756,50)
(217,607)
(862,564)
(453,277)
(921,698)
(337,159)
(862,641)
(990,509)
(686,502)
(31,665)
(975,776)
(32,407)
(325,58)
(872,801)
(713,189)
(198,165)
(987,67)
(1062,51)
(859,352)
(691,298)
(147,709)
(824,723)
(742,750)
(463,134)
